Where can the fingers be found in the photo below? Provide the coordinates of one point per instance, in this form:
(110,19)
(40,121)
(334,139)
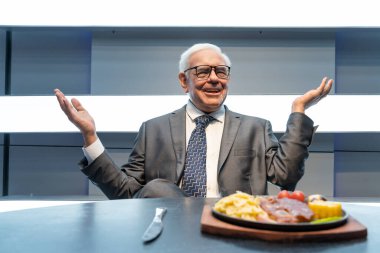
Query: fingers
(68,108)
(65,105)
(328,87)
(325,87)
(322,86)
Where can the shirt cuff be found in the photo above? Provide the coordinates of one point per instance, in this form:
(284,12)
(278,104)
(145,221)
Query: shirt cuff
(93,151)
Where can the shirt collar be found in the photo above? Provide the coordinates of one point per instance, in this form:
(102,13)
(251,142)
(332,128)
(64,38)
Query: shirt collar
(194,112)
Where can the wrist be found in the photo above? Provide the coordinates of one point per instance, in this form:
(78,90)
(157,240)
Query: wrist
(89,139)
(298,108)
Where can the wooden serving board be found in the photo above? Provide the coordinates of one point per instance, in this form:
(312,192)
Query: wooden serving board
(353,229)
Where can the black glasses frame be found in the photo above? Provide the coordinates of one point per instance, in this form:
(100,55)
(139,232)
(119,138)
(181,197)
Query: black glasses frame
(211,69)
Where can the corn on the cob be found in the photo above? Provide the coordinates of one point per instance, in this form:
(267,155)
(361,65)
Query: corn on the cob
(325,209)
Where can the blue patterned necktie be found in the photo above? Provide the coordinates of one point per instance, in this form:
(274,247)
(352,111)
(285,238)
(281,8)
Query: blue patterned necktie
(194,177)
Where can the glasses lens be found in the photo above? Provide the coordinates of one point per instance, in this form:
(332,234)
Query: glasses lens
(222,71)
(203,72)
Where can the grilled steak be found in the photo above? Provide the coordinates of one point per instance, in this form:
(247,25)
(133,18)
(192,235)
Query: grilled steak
(286,210)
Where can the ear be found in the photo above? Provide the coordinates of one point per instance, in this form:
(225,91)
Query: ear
(183,81)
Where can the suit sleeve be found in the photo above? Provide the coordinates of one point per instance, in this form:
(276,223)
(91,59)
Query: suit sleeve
(116,182)
(286,157)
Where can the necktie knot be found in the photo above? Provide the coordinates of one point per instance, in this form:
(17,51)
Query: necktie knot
(203,121)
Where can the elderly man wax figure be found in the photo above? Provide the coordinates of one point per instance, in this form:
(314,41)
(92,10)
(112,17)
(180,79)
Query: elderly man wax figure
(237,153)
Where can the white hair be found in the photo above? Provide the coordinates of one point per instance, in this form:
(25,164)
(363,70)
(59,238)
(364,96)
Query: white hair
(185,56)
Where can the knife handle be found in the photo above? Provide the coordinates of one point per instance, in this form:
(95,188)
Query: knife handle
(160,212)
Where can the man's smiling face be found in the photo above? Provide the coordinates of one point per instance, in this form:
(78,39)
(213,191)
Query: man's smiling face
(207,94)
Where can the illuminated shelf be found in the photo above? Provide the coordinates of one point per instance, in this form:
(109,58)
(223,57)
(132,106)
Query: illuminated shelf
(334,114)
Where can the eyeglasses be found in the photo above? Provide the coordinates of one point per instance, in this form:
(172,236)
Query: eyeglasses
(204,71)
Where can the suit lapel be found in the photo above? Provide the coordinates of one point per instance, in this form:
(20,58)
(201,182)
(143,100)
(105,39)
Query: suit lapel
(231,127)
(178,132)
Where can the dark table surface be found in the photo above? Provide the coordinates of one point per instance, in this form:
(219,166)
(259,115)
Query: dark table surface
(117,226)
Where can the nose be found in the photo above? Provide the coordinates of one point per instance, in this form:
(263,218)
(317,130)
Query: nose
(213,75)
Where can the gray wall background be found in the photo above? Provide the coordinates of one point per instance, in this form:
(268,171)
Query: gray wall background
(144,61)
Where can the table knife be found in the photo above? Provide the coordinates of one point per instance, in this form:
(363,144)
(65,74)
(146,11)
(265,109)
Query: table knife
(155,228)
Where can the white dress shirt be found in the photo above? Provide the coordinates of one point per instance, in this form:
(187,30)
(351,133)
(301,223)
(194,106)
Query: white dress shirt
(214,133)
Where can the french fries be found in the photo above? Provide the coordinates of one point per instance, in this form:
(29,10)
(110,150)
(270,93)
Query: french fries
(241,205)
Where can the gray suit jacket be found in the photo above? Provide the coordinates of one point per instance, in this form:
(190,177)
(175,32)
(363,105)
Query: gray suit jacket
(250,155)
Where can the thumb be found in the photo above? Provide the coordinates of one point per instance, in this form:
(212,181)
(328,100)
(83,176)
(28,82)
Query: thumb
(77,105)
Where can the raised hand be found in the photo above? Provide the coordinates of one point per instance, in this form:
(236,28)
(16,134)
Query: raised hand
(79,116)
(312,97)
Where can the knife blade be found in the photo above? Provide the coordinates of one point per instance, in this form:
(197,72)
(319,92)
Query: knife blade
(155,227)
